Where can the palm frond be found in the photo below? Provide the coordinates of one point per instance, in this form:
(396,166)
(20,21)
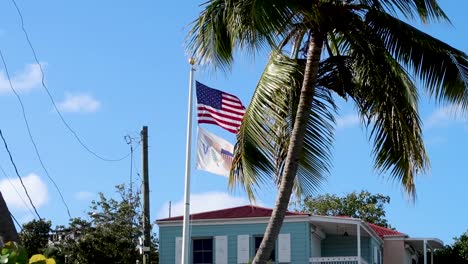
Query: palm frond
(210,40)
(426,10)
(387,100)
(224,25)
(442,68)
(263,138)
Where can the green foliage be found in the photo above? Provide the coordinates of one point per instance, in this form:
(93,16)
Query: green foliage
(377,56)
(455,253)
(364,205)
(461,244)
(12,253)
(35,235)
(110,237)
(261,151)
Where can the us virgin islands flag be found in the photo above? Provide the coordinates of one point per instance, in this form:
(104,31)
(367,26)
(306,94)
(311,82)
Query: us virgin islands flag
(214,154)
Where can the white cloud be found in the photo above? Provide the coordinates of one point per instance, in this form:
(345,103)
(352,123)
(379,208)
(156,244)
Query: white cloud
(445,115)
(346,121)
(79,103)
(12,190)
(84,195)
(203,202)
(24,81)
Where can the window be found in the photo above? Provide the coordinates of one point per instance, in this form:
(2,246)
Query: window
(258,241)
(202,251)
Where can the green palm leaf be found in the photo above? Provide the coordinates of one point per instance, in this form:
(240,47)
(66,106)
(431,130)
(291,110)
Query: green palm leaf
(228,24)
(442,68)
(263,138)
(427,10)
(387,100)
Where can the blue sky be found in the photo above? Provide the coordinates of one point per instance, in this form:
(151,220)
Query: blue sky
(114,66)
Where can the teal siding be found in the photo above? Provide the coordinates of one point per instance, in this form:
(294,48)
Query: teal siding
(338,246)
(300,243)
(374,243)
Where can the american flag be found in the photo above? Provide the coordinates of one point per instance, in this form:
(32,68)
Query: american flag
(219,108)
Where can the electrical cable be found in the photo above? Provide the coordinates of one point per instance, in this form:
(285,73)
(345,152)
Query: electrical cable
(65,123)
(30,134)
(16,190)
(17,174)
(16,221)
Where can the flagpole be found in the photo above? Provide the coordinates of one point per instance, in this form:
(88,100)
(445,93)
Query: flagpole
(186,226)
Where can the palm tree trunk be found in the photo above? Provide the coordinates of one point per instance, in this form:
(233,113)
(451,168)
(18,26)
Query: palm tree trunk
(294,150)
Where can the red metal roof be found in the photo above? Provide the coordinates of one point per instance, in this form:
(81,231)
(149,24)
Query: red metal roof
(246,211)
(383,231)
(252,211)
(379,230)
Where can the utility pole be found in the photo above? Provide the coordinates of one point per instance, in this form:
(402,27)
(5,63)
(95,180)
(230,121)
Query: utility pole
(146,211)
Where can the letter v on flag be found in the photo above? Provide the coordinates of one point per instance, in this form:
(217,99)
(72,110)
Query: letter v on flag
(214,154)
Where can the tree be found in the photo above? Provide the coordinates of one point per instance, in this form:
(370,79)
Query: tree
(364,205)
(35,235)
(357,49)
(110,237)
(455,253)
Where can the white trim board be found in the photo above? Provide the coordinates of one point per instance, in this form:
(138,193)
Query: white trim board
(227,221)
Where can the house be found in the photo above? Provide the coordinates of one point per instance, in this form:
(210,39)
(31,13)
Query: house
(408,250)
(7,227)
(232,236)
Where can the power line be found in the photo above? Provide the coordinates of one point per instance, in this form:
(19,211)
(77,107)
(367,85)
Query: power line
(30,134)
(16,190)
(17,174)
(65,123)
(16,221)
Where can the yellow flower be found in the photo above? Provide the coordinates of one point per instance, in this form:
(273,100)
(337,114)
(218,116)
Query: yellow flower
(41,259)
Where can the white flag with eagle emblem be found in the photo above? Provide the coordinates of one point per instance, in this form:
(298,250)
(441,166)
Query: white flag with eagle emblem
(214,154)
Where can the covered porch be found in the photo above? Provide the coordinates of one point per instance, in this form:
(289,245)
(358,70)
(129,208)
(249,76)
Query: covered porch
(343,240)
(426,247)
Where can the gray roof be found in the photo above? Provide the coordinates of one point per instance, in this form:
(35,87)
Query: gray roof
(7,227)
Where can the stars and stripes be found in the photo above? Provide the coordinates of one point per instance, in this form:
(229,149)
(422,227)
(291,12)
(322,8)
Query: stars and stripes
(219,108)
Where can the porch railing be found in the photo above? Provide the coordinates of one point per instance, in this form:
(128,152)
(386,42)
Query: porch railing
(337,260)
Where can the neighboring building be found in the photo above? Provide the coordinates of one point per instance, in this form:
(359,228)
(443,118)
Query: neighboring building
(409,250)
(7,227)
(232,236)
(60,235)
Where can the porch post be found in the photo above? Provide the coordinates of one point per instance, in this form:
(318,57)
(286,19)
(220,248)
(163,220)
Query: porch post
(359,243)
(432,255)
(425,251)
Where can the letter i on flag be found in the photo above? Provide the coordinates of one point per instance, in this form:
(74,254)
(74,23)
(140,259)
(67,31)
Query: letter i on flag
(219,108)
(214,154)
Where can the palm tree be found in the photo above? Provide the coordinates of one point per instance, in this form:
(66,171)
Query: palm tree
(357,49)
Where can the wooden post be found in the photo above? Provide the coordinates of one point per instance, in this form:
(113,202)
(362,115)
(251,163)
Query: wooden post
(146,203)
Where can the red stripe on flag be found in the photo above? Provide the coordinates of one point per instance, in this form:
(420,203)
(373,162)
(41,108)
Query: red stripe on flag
(233,116)
(216,123)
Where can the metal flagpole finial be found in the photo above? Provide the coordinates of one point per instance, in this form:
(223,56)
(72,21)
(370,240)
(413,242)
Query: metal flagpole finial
(191,61)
